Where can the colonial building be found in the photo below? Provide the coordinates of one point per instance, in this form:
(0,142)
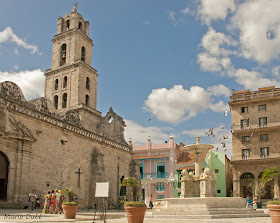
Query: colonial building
(156,163)
(62,140)
(255,131)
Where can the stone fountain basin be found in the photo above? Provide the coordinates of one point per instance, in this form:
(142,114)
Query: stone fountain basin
(197,148)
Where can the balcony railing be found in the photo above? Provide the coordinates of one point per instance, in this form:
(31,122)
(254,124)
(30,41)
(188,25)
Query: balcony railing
(154,175)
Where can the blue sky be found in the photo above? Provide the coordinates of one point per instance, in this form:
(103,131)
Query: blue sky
(164,66)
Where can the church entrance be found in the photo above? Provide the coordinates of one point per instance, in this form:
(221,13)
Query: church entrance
(4,165)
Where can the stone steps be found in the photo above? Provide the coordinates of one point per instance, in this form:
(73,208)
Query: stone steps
(10,205)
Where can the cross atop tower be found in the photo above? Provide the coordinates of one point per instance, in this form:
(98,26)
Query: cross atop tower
(75,7)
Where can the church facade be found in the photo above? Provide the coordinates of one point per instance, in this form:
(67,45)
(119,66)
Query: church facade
(61,140)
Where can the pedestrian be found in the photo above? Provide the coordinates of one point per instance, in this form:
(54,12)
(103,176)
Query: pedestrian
(57,199)
(151,204)
(255,206)
(32,199)
(61,199)
(249,201)
(52,203)
(47,203)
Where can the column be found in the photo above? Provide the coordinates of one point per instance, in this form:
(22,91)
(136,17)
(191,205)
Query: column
(198,165)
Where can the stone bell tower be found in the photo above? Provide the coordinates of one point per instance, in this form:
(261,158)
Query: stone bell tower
(71,83)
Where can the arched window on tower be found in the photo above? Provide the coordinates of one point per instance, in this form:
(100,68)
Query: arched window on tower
(67,24)
(87,83)
(63,54)
(83,53)
(55,101)
(56,84)
(80,26)
(65,82)
(87,100)
(64,100)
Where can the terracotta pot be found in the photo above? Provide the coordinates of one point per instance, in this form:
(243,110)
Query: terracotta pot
(69,211)
(135,214)
(274,210)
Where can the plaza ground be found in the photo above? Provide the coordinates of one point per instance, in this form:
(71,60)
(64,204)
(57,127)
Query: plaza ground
(86,216)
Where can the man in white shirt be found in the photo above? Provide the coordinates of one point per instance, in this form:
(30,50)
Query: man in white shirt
(32,200)
(57,199)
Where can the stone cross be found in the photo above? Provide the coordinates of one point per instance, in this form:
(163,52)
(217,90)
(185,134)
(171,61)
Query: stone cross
(79,177)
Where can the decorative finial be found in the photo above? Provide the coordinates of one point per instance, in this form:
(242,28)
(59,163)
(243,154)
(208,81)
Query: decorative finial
(197,139)
(75,7)
(171,136)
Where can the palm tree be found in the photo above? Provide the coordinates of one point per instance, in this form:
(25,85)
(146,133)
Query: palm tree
(131,182)
(270,173)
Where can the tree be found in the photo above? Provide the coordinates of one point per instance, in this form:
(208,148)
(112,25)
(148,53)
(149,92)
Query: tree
(270,174)
(133,183)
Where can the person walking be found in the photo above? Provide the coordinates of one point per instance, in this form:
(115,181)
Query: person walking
(151,204)
(249,202)
(61,199)
(57,199)
(32,200)
(47,203)
(52,203)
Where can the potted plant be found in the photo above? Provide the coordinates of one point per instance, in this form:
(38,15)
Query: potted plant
(135,210)
(273,206)
(70,207)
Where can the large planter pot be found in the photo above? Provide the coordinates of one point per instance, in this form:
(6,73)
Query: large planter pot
(135,214)
(274,210)
(69,211)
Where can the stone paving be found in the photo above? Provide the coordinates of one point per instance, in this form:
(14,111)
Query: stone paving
(87,216)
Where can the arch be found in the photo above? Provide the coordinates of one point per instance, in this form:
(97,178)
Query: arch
(55,101)
(80,25)
(260,175)
(83,53)
(247,175)
(87,100)
(63,54)
(56,84)
(4,173)
(87,83)
(64,100)
(68,24)
(65,82)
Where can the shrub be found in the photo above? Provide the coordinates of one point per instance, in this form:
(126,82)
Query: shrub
(134,204)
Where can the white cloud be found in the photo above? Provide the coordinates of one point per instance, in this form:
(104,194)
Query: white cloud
(139,134)
(30,82)
(276,71)
(210,10)
(219,90)
(185,11)
(258,23)
(208,62)
(147,22)
(7,35)
(172,18)
(177,104)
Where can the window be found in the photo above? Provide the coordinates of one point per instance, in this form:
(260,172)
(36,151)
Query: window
(63,54)
(68,24)
(245,154)
(216,170)
(244,109)
(263,122)
(87,100)
(87,83)
(55,101)
(264,152)
(160,197)
(262,107)
(80,25)
(141,170)
(65,82)
(218,191)
(244,123)
(64,100)
(83,53)
(160,170)
(160,186)
(245,138)
(264,137)
(56,84)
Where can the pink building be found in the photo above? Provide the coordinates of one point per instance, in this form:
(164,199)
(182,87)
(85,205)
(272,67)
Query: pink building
(156,163)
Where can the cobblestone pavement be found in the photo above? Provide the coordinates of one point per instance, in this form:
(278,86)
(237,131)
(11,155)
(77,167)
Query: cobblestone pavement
(87,216)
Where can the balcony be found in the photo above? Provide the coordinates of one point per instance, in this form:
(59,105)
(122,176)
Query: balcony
(154,175)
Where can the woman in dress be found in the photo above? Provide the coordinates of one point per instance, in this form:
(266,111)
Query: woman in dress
(52,203)
(47,203)
(61,199)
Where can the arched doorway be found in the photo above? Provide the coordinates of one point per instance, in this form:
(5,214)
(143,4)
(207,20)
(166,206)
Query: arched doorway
(246,179)
(4,166)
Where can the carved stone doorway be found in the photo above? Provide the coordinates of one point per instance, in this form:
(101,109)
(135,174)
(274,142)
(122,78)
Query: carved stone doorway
(4,166)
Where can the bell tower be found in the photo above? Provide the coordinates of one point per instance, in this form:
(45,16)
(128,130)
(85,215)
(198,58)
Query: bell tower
(71,83)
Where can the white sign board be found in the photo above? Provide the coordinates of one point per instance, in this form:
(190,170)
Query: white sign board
(102,189)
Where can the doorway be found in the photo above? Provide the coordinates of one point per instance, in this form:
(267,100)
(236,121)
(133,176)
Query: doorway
(4,166)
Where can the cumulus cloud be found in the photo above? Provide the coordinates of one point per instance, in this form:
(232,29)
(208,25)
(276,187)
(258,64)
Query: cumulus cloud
(139,134)
(7,35)
(258,24)
(185,11)
(172,18)
(177,104)
(219,90)
(31,82)
(210,10)
(147,22)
